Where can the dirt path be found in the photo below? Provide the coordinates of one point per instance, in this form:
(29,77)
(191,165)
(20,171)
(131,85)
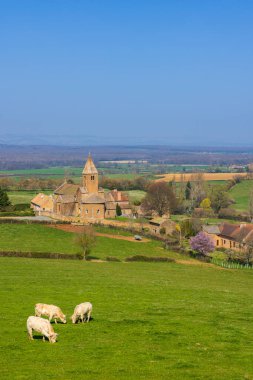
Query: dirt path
(198,263)
(76,229)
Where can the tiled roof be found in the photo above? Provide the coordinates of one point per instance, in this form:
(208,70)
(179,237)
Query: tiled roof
(43,201)
(92,198)
(238,232)
(67,189)
(213,229)
(39,199)
(119,196)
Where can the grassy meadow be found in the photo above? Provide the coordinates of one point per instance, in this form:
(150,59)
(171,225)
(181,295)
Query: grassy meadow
(41,238)
(150,321)
(241,194)
(23,196)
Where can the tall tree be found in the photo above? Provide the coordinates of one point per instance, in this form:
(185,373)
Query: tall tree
(160,198)
(187,192)
(251,204)
(118,210)
(4,200)
(219,199)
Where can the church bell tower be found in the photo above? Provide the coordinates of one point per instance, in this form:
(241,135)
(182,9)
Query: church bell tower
(90,176)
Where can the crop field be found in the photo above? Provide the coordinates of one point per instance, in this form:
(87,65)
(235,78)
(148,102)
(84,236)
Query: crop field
(150,321)
(241,195)
(177,177)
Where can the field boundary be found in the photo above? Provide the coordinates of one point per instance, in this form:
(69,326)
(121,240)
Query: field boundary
(41,255)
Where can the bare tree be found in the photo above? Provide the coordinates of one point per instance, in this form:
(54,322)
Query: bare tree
(198,192)
(160,198)
(86,241)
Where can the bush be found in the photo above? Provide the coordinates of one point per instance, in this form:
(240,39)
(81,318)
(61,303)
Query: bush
(40,255)
(112,258)
(150,259)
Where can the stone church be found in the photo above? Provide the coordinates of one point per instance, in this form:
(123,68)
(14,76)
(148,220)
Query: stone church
(88,202)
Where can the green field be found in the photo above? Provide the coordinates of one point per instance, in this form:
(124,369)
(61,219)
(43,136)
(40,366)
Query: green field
(24,196)
(150,321)
(136,195)
(55,171)
(72,172)
(40,238)
(241,194)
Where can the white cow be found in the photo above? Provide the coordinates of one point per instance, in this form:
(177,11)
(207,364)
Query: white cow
(51,311)
(42,326)
(81,312)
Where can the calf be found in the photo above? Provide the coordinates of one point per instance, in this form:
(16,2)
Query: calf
(42,326)
(82,311)
(51,311)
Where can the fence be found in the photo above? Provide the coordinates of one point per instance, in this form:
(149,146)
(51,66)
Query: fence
(231,264)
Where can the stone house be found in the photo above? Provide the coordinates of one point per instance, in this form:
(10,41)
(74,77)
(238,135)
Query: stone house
(231,236)
(158,223)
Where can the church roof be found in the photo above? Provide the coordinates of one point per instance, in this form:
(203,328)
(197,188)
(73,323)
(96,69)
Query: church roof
(67,189)
(90,167)
(92,198)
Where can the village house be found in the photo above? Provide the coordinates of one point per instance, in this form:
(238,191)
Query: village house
(231,236)
(161,223)
(80,203)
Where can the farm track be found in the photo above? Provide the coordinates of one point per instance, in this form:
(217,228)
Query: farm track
(79,229)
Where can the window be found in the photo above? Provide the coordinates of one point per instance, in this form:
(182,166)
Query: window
(92,177)
(217,242)
(98,212)
(86,211)
(234,243)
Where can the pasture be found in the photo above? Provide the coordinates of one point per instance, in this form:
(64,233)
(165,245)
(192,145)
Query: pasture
(241,195)
(42,238)
(150,321)
(24,196)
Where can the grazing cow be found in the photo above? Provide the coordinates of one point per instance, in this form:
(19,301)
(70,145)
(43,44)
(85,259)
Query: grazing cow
(42,326)
(51,311)
(82,311)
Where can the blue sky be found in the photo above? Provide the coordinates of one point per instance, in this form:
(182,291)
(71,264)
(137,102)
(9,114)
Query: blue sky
(125,71)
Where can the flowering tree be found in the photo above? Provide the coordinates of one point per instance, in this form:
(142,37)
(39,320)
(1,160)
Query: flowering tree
(202,243)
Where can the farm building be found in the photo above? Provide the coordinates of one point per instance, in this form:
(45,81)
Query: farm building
(161,223)
(88,202)
(231,236)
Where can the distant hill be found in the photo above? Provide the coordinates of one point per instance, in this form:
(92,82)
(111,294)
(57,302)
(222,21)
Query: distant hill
(42,156)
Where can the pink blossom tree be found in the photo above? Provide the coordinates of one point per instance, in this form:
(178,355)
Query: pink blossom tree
(202,243)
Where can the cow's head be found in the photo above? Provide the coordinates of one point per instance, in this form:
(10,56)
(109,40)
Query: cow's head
(64,319)
(53,337)
(73,318)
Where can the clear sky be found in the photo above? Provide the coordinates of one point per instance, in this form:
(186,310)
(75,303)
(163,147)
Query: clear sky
(127,71)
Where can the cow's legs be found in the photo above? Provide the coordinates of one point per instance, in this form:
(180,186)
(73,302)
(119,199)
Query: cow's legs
(30,333)
(88,317)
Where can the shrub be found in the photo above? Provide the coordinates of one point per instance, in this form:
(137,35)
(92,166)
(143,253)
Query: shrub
(143,258)
(112,258)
